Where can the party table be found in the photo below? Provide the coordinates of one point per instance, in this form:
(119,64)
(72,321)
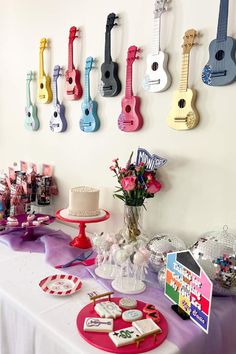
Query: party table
(32,322)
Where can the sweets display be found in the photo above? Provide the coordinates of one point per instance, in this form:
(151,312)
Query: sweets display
(83,201)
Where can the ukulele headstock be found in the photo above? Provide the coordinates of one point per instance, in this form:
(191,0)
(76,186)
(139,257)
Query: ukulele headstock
(189,38)
(43,43)
(73,33)
(30,76)
(160,7)
(111,21)
(89,64)
(56,72)
(132,54)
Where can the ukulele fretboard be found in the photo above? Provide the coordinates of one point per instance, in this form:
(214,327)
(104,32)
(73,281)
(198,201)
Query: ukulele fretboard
(184,73)
(156,36)
(223,20)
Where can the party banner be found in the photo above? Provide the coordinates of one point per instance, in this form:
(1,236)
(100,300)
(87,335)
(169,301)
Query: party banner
(188,286)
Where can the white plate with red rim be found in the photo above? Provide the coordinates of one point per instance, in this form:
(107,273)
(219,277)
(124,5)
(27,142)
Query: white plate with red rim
(60,284)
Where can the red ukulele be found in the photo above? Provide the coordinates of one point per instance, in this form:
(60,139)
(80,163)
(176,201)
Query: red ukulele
(74,89)
(130,118)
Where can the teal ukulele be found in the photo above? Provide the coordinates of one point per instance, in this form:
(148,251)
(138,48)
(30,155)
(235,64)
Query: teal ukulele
(89,121)
(31,118)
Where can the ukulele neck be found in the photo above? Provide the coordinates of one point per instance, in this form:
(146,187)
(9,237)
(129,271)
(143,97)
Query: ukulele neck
(55,93)
(129,89)
(183,86)
(156,36)
(28,98)
(87,97)
(223,21)
(41,64)
(108,59)
(70,56)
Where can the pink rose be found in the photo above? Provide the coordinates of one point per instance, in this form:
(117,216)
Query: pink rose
(128,183)
(153,186)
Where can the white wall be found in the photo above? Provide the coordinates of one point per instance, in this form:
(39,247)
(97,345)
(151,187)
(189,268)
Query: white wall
(199,179)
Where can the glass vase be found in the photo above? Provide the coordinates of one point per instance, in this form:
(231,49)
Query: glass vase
(132,230)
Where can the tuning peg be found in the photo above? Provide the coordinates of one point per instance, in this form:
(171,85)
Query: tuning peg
(137,57)
(139,50)
(116,17)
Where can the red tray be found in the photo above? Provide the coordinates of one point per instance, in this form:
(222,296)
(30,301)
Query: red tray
(103,341)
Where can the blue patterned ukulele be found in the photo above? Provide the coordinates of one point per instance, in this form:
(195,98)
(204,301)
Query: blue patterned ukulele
(89,121)
(31,118)
(58,122)
(221,67)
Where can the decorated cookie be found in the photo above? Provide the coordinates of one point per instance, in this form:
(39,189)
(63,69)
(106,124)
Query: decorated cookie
(128,303)
(124,336)
(108,309)
(11,221)
(43,218)
(25,224)
(36,223)
(93,324)
(149,308)
(155,316)
(30,217)
(146,326)
(132,315)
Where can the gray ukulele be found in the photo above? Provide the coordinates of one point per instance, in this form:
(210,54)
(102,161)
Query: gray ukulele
(221,67)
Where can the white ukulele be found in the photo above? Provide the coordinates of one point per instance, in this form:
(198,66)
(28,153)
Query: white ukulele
(157,77)
(183,114)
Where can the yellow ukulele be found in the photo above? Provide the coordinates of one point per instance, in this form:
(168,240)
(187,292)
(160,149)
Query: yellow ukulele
(184,115)
(44,93)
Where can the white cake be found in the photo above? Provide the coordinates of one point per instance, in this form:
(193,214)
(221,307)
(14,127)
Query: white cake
(83,201)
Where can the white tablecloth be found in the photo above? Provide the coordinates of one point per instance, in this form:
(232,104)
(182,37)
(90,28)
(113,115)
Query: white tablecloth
(32,322)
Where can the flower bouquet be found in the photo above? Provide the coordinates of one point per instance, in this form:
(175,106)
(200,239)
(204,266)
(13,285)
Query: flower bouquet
(137,181)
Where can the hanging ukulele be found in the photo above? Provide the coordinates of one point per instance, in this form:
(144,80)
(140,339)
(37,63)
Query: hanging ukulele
(31,118)
(130,118)
(221,67)
(184,115)
(157,77)
(89,121)
(74,89)
(58,122)
(44,81)
(110,83)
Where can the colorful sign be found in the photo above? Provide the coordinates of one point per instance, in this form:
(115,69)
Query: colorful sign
(188,286)
(152,161)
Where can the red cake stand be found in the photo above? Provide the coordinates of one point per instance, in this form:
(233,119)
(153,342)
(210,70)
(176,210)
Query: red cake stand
(81,240)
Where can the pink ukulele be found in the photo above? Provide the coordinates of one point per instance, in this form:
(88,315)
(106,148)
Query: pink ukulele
(130,118)
(74,89)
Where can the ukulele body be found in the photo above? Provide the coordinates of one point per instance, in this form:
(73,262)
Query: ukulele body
(183,115)
(157,77)
(74,89)
(110,82)
(130,119)
(89,121)
(58,123)
(44,89)
(221,67)
(31,118)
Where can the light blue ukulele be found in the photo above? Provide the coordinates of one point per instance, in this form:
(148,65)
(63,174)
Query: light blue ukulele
(58,123)
(31,119)
(221,67)
(89,121)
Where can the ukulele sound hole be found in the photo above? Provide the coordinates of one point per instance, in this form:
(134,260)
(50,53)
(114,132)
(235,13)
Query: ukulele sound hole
(29,114)
(55,114)
(220,55)
(107,74)
(181,103)
(86,112)
(155,66)
(70,80)
(127,109)
(41,85)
